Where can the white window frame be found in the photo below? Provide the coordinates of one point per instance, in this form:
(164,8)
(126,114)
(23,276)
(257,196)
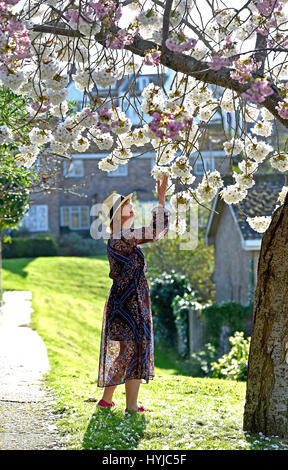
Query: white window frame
(71,209)
(209,163)
(121,170)
(26,222)
(73,163)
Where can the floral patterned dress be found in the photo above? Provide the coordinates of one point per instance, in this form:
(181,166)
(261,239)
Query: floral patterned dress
(127,342)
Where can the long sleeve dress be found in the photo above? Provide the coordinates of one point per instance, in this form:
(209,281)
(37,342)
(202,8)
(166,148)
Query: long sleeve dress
(127,341)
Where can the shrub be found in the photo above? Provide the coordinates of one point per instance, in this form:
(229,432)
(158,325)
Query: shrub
(73,244)
(163,289)
(231,314)
(233,365)
(201,360)
(32,247)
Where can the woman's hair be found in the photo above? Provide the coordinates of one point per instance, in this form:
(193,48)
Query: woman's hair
(117,216)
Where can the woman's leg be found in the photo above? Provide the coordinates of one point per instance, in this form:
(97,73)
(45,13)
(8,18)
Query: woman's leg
(132,388)
(108,393)
(118,364)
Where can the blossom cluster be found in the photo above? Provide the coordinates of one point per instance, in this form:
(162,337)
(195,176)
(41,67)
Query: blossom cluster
(177,117)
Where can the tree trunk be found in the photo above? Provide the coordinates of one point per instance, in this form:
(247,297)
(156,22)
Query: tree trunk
(266,407)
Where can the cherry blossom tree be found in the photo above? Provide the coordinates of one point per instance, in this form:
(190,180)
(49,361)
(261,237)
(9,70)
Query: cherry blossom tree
(210,45)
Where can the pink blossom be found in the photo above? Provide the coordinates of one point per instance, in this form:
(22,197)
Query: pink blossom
(164,124)
(217,62)
(12,2)
(152,58)
(119,41)
(243,70)
(107,12)
(265,7)
(282,109)
(184,46)
(259,90)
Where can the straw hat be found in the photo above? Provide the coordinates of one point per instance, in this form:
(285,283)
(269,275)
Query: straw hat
(111,205)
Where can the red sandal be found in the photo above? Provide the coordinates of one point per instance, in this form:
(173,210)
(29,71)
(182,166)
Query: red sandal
(140,408)
(103,404)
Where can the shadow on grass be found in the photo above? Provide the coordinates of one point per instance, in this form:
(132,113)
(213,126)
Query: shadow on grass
(113,429)
(169,359)
(17,265)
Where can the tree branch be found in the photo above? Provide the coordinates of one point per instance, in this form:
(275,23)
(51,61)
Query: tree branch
(166,21)
(179,63)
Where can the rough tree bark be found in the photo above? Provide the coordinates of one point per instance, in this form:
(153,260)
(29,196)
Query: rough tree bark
(266,408)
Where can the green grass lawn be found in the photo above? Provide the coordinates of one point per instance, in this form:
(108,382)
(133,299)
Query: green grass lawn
(68,297)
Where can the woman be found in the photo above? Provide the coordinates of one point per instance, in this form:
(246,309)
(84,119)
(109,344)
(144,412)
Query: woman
(127,350)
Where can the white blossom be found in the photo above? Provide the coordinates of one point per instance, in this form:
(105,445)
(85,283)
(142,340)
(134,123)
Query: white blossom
(205,192)
(107,164)
(262,128)
(282,194)
(259,224)
(251,113)
(233,194)
(13,80)
(57,96)
(234,146)
(58,82)
(266,115)
(40,136)
(83,80)
(244,180)
(181,167)
(80,143)
(105,77)
(6,135)
(257,150)
(248,166)
(280,161)
(229,102)
(121,155)
(213,179)
(58,109)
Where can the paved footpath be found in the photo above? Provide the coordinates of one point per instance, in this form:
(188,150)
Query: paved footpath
(27,417)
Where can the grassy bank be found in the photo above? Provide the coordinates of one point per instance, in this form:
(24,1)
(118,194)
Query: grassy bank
(184,413)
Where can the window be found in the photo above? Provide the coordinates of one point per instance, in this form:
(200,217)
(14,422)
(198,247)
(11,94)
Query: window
(122,170)
(74,217)
(73,168)
(141,83)
(208,163)
(36,219)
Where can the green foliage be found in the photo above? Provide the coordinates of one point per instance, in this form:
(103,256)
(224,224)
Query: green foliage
(233,365)
(201,360)
(73,244)
(196,264)
(232,314)
(14,183)
(163,289)
(14,180)
(41,245)
(181,307)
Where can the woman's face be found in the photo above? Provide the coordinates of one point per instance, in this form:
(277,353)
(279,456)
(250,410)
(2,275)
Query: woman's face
(128,210)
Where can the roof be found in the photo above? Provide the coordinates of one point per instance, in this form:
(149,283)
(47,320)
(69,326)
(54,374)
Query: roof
(261,200)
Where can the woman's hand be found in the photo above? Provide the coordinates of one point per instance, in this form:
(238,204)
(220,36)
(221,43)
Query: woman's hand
(161,189)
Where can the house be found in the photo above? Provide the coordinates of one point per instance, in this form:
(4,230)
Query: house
(236,244)
(74,186)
